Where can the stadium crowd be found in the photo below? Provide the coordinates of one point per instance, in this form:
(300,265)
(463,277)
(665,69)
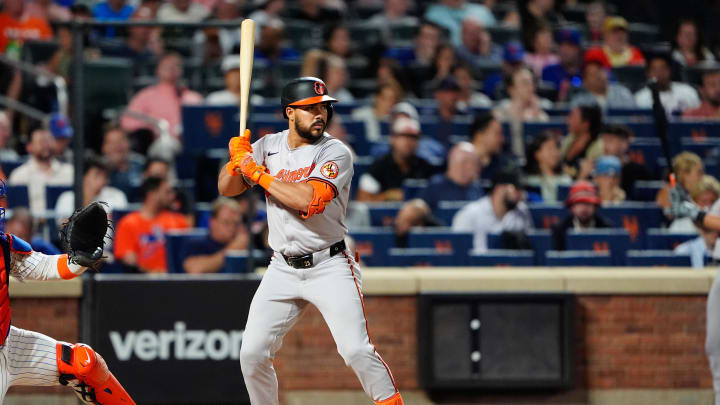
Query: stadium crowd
(486,118)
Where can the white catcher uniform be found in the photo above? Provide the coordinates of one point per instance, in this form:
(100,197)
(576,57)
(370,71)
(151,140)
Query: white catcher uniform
(332,283)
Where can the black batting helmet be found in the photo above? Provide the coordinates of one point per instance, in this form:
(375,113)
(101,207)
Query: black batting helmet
(305,91)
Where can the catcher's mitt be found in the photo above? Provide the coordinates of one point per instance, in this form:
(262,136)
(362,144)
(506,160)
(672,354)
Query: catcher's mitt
(83,235)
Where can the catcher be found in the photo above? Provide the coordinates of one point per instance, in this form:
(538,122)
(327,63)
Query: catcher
(31,358)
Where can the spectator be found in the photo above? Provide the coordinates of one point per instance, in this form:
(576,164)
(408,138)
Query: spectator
(140,236)
(567,73)
(689,169)
(383,180)
(543,167)
(503,210)
(47,10)
(615,50)
(62,132)
(542,54)
(710,92)
(422,53)
(580,144)
(226,232)
(595,16)
(388,94)
(20,224)
(395,12)
(614,140)
(450,14)
(266,11)
(469,98)
(16,27)
(522,106)
(7,154)
(688,48)
(143,44)
(608,174)
(334,71)
(459,183)
(40,170)
(313,11)
(182,11)
(674,96)
(125,167)
(337,40)
(535,14)
(270,48)
(112,10)
(487,139)
(513,57)
(598,90)
(703,194)
(163,100)
(582,202)
(95,188)
(477,48)
(231,94)
(447,95)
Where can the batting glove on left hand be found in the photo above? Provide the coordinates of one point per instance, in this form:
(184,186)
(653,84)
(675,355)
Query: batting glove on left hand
(682,207)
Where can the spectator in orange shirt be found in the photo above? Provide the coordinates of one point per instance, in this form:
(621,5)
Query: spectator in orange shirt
(140,236)
(615,50)
(16,26)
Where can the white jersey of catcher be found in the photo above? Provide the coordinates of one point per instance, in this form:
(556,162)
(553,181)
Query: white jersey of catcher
(327,160)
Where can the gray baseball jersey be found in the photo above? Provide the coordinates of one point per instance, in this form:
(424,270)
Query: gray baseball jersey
(328,160)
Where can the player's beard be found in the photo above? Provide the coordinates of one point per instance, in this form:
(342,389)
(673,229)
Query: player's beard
(311,133)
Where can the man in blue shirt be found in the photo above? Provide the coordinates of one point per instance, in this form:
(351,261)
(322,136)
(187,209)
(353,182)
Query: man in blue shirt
(568,73)
(110,10)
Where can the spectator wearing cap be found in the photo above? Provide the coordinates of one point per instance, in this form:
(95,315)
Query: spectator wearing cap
(383,180)
(581,144)
(614,140)
(95,188)
(62,131)
(459,183)
(386,96)
(674,96)
(487,138)
(567,73)
(542,54)
(615,50)
(543,168)
(447,95)
(710,92)
(163,100)
(231,94)
(513,59)
(182,11)
(522,106)
(477,48)
(451,13)
(503,210)
(42,169)
(608,172)
(704,194)
(597,89)
(688,48)
(582,202)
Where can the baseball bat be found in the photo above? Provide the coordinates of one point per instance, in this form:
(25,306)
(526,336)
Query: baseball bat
(661,126)
(247,51)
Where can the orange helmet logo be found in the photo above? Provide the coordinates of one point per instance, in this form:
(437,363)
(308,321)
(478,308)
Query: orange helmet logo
(319,88)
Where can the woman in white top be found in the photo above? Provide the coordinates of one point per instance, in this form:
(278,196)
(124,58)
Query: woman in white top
(688,49)
(543,166)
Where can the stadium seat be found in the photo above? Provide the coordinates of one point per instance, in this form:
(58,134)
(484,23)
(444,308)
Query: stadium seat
(580,258)
(383,213)
(663,239)
(546,215)
(442,240)
(365,36)
(656,258)
(703,147)
(403,32)
(266,124)
(446,210)
(52,193)
(641,128)
(642,34)
(502,258)
(9,165)
(646,190)
(372,244)
(615,241)
(410,257)
(632,77)
(629,112)
(17,196)
(634,217)
(556,126)
(210,127)
(540,241)
(37,52)
(236,262)
(107,84)
(647,152)
(303,35)
(502,35)
(174,247)
(413,187)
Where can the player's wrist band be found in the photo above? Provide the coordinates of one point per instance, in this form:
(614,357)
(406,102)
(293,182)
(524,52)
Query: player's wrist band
(265,180)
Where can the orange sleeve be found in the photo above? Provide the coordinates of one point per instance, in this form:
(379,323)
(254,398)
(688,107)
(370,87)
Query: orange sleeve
(323,193)
(125,238)
(44,28)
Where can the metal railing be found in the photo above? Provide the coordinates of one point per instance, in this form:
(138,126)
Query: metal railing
(57,80)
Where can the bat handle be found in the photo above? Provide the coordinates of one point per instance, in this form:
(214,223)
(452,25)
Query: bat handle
(672,180)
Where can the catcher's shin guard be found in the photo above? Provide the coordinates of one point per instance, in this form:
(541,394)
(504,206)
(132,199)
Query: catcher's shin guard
(86,371)
(393,400)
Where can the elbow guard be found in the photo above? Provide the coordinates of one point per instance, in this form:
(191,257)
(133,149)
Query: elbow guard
(323,193)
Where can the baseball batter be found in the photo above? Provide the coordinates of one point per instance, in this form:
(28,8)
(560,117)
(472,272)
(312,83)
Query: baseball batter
(306,174)
(31,358)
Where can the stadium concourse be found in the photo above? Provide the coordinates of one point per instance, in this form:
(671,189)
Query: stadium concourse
(484,133)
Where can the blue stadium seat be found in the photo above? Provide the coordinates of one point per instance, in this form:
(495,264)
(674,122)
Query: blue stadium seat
(9,165)
(442,240)
(531,129)
(502,258)
(546,215)
(646,190)
(174,242)
(408,257)
(356,137)
(236,262)
(209,127)
(540,241)
(635,217)
(413,187)
(372,244)
(267,108)
(616,241)
(639,128)
(267,124)
(647,152)
(17,196)
(663,239)
(446,210)
(656,258)
(629,112)
(703,147)
(575,258)
(341,107)
(52,193)
(563,191)
(384,213)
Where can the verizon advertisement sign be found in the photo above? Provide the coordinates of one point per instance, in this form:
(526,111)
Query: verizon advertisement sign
(174,339)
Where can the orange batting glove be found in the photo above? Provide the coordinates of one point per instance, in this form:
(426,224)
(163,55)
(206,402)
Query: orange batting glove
(240,145)
(255,172)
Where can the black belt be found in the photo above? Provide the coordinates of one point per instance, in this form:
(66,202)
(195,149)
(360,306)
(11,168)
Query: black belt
(304,262)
